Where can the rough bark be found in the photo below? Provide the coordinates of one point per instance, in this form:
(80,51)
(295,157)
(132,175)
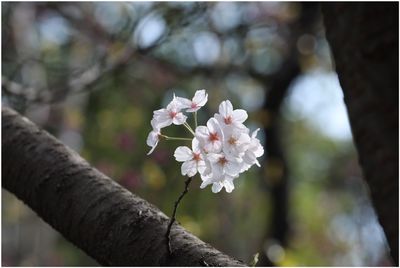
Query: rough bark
(364,42)
(109,223)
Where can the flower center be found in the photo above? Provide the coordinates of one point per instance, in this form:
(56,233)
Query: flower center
(172,114)
(194,105)
(232,141)
(228,120)
(213,137)
(222,161)
(196,157)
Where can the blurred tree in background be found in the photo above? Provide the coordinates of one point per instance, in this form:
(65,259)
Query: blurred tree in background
(92,73)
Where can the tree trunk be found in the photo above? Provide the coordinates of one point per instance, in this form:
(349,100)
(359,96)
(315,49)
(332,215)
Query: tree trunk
(109,223)
(364,42)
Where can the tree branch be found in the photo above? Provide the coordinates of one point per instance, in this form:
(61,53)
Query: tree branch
(95,213)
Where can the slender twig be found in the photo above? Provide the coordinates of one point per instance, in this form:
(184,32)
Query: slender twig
(175,138)
(195,119)
(189,128)
(172,220)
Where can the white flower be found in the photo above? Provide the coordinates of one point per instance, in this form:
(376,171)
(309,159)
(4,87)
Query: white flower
(221,150)
(199,100)
(254,151)
(236,142)
(222,164)
(210,137)
(192,159)
(229,117)
(225,181)
(220,172)
(170,115)
(152,139)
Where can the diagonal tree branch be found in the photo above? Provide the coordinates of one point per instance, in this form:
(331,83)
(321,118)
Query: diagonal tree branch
(109,223)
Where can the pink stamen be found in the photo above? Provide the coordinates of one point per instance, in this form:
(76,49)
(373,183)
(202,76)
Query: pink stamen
(222,161)
(232,141)
(194,105)
(172,114)
(228,120)
(213,137)
(196,157)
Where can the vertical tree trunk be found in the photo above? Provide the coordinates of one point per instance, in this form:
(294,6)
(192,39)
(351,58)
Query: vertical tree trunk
(364,42)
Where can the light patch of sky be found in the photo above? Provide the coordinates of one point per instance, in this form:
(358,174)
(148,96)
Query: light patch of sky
(361,233)
(109,15)
(225,15)
(249,92)
(318,98)
(207,48)
(149,30)
(54,29)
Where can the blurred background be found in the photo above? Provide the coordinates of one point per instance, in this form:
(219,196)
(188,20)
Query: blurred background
(92,74)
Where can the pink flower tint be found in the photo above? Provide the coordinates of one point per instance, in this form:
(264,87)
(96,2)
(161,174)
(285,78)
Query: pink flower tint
(106,168)
(162,156)
(131,179)
(126,142)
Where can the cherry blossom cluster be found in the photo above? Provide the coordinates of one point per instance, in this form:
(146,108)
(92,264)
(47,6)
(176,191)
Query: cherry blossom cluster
(220,151)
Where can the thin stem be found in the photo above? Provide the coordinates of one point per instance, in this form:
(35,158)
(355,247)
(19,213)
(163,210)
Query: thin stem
(189,128)
(175,138)
(172,220)
(195,119)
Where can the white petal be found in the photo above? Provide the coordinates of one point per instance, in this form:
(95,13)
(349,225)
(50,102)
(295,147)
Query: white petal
(232,168)
(244,138)
(213,147)
(192,110)
(201,166)
(161,119)
(213,158)
(152,149)
(179,119)
(254,134)
(183,103)
(225,108)
(152,138)
(183,153)
(216,187)
(214,127)
(228,184)
(239,115)
(259,151)
(200,97)
(154,123)
(189,168)
(202,133)
(206,174)
(249,157)
(219,118)
(196,145)
(159,112)
(217,172)
(174,105)
(205,183)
